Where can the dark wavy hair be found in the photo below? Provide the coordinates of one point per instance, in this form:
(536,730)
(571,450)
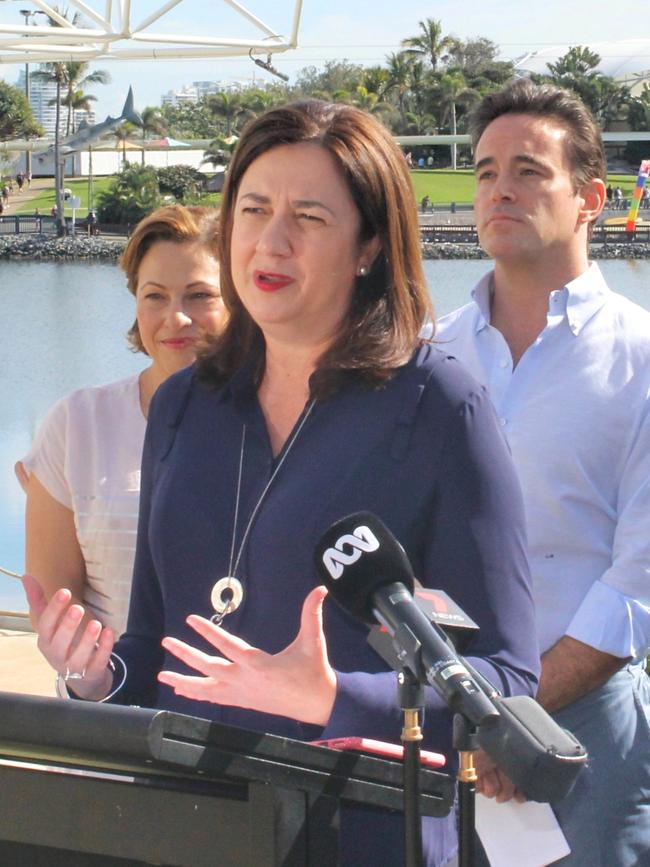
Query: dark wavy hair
(180,224)
(522,96)
(390,303)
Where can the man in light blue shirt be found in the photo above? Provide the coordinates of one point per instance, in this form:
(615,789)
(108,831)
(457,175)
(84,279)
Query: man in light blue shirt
(567,364)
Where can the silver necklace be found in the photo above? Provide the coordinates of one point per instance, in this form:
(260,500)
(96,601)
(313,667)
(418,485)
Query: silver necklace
(228,593)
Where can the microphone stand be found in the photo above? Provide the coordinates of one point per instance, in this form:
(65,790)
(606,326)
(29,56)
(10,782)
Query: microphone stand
(465,740)
(411,700)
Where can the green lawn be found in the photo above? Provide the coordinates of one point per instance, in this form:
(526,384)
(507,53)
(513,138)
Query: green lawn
(79,187)
(45,201)
(443,185)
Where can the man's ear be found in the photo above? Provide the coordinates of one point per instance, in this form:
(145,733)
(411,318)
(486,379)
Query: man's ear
(594,196)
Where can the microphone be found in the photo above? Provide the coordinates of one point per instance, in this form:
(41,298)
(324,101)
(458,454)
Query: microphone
(367,572)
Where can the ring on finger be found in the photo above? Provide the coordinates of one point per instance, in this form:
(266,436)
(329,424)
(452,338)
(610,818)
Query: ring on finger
(74,675)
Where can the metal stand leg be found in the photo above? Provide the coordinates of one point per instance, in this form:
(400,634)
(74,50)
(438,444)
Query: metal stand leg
(411,698)
(466,743)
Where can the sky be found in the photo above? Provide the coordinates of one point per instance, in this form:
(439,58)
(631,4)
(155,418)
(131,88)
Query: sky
(361,32)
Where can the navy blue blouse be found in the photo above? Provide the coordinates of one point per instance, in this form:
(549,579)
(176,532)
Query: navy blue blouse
(424,452)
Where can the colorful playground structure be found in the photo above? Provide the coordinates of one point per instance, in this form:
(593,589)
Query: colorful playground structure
(641,180)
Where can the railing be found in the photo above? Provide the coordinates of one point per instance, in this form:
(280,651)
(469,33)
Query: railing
(449,234)
(42,224)
(15,620)
(446,207)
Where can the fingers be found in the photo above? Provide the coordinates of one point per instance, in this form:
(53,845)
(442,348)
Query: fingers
(194,658)
(230,645)
(311,618)
(196,688)
(35,596)
(495,784)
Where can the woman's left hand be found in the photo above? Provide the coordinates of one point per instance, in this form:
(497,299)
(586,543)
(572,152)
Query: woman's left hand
(298,682)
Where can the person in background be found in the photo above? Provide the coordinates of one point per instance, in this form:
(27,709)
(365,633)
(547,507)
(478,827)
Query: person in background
(567,363)
(317,400)
(82,474)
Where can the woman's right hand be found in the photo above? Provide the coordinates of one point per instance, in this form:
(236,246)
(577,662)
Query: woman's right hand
(68,645)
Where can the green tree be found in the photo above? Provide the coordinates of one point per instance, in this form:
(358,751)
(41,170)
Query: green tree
(54,73)
(179,181)
(638,114)
(124,133)
(219,151)
(578,61)
(16,118)
(131,196)
(398,85)
(375,79)
(336,75)
(75,78)
(67,78)
(477,60)
(152,122)
(189,120)
(638,117)
(229,111)
(430,42)
(602,94)
(451,91)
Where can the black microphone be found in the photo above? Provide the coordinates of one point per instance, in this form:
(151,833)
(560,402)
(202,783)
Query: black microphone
(367,572)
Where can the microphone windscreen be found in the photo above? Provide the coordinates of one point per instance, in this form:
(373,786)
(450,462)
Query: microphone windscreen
(357,556)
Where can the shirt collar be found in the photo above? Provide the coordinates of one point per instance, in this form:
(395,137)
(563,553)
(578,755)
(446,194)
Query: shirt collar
(482,295)
(582,298)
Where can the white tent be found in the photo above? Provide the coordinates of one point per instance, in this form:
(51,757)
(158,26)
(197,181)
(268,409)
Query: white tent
(627,59)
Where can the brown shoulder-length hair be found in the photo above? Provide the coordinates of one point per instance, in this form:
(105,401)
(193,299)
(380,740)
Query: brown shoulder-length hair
(180,224)
(391,302)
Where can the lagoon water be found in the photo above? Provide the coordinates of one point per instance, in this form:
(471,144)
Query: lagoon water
(63,329)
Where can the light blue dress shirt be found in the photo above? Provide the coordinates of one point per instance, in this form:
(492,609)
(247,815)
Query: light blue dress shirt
(576,413)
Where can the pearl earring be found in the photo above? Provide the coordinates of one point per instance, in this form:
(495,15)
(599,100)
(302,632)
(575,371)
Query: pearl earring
(363,271)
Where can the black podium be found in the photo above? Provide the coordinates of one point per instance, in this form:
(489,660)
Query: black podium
(87,785)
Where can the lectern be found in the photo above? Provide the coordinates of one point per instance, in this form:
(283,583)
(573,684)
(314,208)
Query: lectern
(93,785)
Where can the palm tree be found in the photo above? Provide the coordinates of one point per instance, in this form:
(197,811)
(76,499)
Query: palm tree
(639,109)
(579,60)
(152,122)
(430,42)
(369,101)
(124,132)
(399,80)
(452,90)
(67,77)
(76,101)
(375,79)
(75,80)
(54,73)
(229,108)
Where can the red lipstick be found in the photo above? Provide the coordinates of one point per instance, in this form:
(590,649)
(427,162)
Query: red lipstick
(269,281)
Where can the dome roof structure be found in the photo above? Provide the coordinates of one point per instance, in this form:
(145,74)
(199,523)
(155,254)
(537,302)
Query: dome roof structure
(627,59)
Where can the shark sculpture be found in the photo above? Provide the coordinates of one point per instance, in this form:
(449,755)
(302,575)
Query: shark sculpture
(86,135)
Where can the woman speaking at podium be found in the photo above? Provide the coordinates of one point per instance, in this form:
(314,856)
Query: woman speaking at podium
(316,400)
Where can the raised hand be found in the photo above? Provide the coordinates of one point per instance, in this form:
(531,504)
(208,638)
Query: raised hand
(298,682)
(78,652)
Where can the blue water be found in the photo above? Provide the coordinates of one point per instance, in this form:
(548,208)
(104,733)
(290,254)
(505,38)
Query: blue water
(64,326)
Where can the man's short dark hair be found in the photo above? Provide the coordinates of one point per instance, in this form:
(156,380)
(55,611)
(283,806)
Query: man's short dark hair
(522,96)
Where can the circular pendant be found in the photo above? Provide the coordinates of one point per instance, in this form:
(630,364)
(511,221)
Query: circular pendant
(227,595)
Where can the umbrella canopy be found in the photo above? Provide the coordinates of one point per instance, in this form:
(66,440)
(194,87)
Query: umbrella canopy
(167,142)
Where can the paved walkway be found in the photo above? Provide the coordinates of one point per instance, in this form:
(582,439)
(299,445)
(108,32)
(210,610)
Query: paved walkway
(18,200)
(22,668)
